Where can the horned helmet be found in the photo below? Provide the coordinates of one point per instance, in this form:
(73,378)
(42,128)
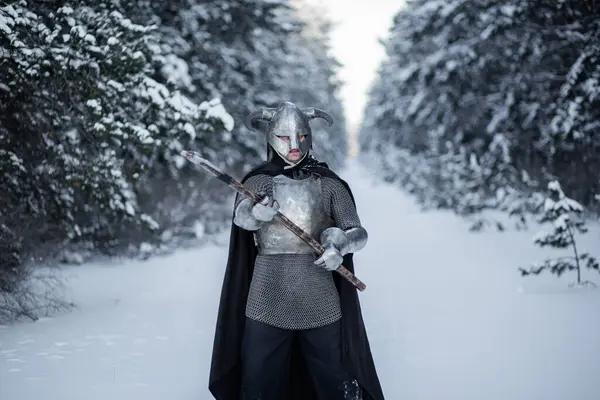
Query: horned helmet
(288,129)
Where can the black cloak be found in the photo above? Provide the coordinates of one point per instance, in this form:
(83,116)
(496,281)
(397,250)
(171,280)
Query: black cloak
(225,371)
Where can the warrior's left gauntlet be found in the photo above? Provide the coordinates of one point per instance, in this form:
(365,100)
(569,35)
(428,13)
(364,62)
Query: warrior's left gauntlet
(338,243)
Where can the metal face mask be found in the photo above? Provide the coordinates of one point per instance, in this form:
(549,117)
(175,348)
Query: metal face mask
(288,128)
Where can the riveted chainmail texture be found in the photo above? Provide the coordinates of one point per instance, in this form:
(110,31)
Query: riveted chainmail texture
(287,290)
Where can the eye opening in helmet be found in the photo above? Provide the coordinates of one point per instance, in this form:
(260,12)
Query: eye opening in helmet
(287,138)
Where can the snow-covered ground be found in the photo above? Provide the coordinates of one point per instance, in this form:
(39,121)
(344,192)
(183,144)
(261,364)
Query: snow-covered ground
(449,318)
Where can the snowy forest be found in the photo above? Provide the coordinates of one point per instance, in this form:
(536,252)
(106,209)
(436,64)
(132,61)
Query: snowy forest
(481,103)
(97,99)
(477,180)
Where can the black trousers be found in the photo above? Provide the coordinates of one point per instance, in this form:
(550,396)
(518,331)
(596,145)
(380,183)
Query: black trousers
(266,354)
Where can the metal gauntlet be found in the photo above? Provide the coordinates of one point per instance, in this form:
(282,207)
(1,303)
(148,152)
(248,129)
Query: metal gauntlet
(243,216)
(346,241)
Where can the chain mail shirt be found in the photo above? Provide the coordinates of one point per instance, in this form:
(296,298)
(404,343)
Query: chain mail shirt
(287,290)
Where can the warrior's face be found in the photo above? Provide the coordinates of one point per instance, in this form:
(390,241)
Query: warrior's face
(294,154)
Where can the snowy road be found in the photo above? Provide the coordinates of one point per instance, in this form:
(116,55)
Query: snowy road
(447,314)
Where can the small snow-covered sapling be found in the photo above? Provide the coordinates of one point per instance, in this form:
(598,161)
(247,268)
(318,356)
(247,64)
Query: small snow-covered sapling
(567,218)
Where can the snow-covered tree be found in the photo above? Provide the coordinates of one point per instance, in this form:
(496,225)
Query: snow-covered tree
(80,80)
(567,220)
(82,114)
(489,98)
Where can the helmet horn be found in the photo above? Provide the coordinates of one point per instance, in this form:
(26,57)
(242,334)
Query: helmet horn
(265,114)
(312,112)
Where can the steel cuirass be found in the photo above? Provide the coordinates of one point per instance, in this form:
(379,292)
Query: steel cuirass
(302,202)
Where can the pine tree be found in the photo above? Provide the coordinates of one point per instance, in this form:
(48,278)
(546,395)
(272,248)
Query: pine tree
(81,115)
(565,214)
(90,71)
(499,92)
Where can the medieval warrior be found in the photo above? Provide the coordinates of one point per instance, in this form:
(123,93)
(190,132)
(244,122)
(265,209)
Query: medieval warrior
(288,327)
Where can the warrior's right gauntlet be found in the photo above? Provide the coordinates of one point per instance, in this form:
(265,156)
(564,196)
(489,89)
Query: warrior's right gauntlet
(251,217)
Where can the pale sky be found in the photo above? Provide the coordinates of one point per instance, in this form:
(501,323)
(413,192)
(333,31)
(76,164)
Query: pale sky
(359,24)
